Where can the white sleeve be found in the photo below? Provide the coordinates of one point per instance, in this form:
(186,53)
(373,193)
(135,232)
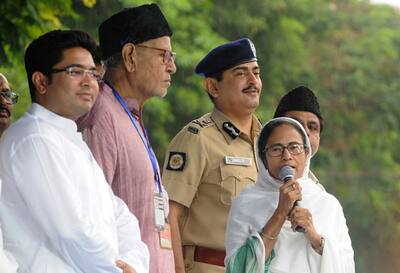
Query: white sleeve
(345,247)
(7,261)
(45,182)
(338,254)
(131,249)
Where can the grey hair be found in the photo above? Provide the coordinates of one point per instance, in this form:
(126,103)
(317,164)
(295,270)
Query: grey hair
(113,61)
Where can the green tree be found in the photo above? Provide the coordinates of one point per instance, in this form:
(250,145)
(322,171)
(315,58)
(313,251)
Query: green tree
(20,22)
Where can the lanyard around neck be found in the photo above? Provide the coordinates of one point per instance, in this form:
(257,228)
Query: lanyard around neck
(143,136)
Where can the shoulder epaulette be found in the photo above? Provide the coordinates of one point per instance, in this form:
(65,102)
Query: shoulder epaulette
(196,125)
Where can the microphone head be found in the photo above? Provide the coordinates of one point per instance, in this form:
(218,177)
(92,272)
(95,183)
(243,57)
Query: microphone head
(286,173)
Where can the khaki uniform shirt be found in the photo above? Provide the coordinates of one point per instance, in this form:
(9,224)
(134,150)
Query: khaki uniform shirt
(208,164)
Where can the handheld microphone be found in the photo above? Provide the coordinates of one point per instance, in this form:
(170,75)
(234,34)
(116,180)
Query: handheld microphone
(286,174)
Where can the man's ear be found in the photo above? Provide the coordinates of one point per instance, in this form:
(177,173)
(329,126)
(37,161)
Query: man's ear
(40,81)
(129,57)
(211,86)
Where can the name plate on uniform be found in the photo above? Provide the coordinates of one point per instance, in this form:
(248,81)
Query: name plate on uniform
(240,161)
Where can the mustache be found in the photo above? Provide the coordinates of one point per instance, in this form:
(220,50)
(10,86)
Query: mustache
(3,107)
(250,87)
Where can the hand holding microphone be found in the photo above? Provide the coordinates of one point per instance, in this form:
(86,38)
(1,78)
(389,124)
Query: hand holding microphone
(291,188)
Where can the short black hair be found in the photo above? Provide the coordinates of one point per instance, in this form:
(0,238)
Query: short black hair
(218,76)
(47,50)
(269,129)
(97,56)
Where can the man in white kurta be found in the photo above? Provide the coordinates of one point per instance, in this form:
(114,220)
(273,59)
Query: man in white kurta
(57,210)
(58,213)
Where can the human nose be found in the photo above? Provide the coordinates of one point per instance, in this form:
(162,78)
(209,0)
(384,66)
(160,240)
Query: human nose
(286,155)
(88,76)
(4,99)
(252,78)
(85,78)
(171,67)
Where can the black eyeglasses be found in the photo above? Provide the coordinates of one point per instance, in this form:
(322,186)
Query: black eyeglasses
(79,72)
(9,96)
(276,150)
(168,55)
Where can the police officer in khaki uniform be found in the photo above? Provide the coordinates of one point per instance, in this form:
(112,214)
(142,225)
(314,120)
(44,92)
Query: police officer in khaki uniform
(212,158)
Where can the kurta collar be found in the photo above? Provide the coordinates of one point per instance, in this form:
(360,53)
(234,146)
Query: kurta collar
(133,106)
(63,123)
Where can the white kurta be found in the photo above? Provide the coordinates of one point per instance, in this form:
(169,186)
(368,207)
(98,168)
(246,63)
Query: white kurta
(57,210)
(7,262)
(253,208)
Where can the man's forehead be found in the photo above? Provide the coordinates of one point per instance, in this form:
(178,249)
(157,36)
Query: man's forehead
(77,56)
(245,66)
(303,116)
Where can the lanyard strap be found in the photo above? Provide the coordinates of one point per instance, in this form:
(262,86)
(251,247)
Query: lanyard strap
(145,139)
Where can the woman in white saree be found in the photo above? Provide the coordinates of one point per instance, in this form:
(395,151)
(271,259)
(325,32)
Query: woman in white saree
(261,234)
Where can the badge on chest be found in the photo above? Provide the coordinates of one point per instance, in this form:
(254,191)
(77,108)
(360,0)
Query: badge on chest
(237,160)
(163,228)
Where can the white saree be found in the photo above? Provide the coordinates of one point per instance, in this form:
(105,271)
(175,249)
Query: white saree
(292,252)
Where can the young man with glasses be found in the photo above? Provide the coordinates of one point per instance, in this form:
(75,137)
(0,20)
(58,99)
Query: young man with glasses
(7,99)
(136,50)
(57,210)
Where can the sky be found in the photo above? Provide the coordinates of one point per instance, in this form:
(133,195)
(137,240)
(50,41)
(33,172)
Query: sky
(395,3)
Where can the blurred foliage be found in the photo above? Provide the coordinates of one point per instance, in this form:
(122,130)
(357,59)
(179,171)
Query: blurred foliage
(347,51)
(20,22)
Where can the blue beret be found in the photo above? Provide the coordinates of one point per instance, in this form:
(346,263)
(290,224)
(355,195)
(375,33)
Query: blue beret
(226,56)
(135,25)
